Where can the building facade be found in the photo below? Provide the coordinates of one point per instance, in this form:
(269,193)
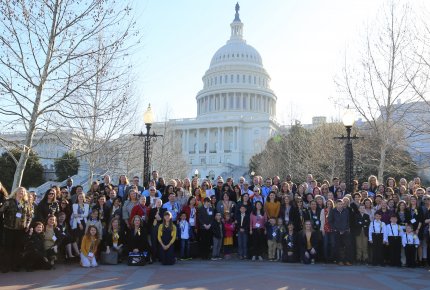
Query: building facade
(236,111)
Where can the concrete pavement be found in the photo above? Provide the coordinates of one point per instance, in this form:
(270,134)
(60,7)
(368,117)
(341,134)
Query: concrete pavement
(216,275)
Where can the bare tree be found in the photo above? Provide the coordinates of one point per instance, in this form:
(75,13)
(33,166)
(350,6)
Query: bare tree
(47,52)
(101,113)
(379,86)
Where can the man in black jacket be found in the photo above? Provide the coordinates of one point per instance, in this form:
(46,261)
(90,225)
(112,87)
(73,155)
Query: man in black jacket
(339,222)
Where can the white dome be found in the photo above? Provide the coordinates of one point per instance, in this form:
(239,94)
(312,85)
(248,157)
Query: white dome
(236,52)
(236,81)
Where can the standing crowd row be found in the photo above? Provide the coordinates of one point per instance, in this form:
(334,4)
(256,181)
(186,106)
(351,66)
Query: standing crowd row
(271,219)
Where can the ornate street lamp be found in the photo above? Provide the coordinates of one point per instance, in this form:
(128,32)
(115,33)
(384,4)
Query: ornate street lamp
(348,121)
(148,119)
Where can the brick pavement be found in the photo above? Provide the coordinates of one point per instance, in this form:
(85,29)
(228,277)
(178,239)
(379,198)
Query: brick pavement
(216,275)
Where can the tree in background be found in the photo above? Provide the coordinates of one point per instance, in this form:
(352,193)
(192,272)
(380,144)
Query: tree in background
(301,151)
(47,55)
(378,83)
(33,172)
(65,166)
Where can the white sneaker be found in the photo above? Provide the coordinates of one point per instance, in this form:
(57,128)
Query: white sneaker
(214,259)
(260,258)
(253,258)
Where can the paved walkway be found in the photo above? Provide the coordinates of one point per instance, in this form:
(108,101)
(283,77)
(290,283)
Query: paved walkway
(216,275)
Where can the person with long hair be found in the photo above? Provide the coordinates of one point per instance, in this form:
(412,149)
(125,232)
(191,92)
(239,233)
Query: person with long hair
(51,239)
(123,185)
(155,220)
(17,219)
(257,231)
(34,254)
(114,239)
(89,247)
(47,206)
(190,210)
(329,237)
(78,221)
(308,244)
(166,238)
(128,207)
(66,240)
(137,240)
(272,206)
(416,220)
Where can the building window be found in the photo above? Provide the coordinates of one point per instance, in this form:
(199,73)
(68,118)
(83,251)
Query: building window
(243,78)
(231,78)
(225,79)
(237,78)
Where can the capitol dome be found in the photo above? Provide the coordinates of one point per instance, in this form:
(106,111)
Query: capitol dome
(236,81)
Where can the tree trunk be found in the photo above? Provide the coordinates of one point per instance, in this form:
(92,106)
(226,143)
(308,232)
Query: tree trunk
(381,167)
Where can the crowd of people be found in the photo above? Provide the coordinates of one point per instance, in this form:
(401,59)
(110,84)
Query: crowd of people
(310,222)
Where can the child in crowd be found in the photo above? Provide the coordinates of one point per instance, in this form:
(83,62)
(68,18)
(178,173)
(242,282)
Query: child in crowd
(362,221)
(228,237)
(376,238)
(184,235)
(34,249)
(242,235)
(410,243)
(289,244)
(393,238)
(271,235)
(280,234)
(89,246)
(217,237)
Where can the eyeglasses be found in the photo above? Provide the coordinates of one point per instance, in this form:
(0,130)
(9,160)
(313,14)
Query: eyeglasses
(51,193)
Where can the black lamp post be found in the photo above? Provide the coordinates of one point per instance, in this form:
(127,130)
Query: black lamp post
(348,122)
(148,119)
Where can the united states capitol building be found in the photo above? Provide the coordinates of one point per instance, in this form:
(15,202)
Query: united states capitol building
(236,111)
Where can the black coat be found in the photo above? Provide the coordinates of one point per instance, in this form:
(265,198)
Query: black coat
(204,217)
(303,243)
(44,209)
(108,239)
(138,240)
(217,231)
(361,223)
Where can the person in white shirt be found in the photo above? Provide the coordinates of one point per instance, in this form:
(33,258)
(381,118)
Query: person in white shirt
(393,238)
(410,242)
(376,238)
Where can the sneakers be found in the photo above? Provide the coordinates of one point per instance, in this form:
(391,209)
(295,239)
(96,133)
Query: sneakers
(312,261)
(253,258)
(214,259)
(348,264)
(340,263)
(260,258)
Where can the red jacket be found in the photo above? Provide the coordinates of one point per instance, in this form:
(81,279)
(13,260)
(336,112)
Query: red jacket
(187,210)
(140,210)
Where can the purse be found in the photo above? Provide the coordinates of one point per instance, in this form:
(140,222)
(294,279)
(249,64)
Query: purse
(109,259)
(137,259)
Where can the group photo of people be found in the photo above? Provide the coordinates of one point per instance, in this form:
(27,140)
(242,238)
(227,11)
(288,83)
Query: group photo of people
(276,219)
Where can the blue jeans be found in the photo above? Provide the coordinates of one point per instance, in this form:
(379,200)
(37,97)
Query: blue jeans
(242,243)
(329,246)
(185,248)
